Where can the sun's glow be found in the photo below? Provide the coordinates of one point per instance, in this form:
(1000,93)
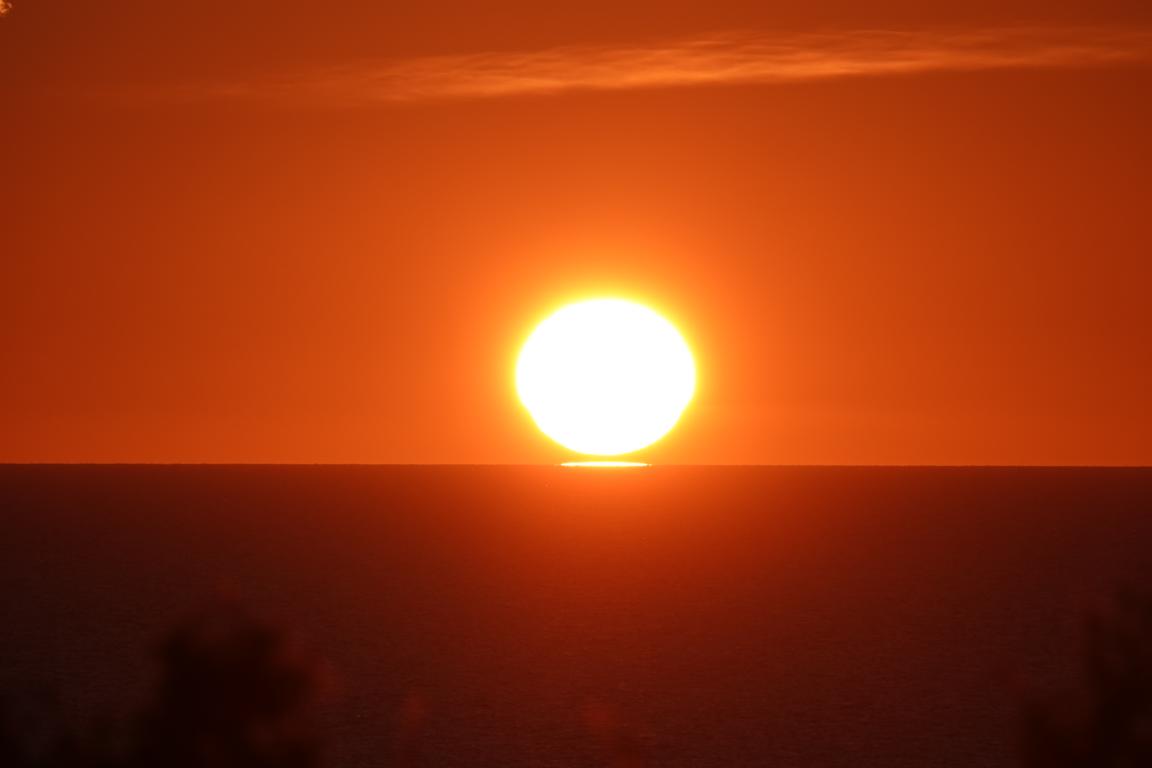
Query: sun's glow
(605,377)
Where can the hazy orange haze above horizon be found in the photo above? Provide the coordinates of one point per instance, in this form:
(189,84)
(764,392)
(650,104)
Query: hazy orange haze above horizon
(894,233)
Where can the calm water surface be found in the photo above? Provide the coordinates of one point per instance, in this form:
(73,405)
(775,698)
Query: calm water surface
(723,616)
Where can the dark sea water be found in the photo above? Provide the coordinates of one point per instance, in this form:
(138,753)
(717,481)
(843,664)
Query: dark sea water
(720,616)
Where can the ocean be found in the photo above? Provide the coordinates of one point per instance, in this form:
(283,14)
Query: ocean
(706,616)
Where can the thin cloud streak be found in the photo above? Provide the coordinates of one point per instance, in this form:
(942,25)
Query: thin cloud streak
(719,60)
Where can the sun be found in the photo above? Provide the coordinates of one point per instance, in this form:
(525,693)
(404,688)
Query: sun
(605,377)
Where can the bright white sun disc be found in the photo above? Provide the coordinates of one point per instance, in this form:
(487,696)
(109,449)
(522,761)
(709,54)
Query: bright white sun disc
(605,377)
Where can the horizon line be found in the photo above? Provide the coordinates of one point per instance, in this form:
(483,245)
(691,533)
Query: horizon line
(557,465)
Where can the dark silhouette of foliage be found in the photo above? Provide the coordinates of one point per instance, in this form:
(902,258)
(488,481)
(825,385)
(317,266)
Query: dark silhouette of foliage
(13,750)
(33,735)
(1108,724)
(234,693)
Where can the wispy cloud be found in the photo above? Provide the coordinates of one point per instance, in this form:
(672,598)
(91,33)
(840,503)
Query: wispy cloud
(5,6)
(719,59)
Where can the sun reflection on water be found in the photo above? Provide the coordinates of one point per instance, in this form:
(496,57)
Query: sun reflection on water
(605,464)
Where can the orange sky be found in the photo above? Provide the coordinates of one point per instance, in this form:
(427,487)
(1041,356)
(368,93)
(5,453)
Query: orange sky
(908,233)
